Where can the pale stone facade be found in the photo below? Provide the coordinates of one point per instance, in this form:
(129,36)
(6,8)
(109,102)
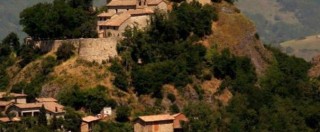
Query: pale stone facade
(33,109)
(154,123)
(124,13)
(90,49)
(88,123)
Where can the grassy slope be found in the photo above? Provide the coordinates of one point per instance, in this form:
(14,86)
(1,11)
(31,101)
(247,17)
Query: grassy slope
(236,32)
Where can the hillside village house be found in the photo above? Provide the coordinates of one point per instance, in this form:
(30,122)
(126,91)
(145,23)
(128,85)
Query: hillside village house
(13,97)
(123,13)
(178,118)
(33,109)
(159,123)
(88,122)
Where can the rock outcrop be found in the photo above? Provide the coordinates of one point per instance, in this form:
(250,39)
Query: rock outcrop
(315,69)
(238,34)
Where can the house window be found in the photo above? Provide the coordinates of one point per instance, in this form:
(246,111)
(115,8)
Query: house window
(139,3)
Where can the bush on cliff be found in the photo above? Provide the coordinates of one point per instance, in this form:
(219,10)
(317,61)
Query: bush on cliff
(65,51)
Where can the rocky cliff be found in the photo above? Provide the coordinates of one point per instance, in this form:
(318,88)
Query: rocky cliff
(237,33)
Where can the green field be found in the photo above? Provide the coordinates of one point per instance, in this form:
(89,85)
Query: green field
(305,48)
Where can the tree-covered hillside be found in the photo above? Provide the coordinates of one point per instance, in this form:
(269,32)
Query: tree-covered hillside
(282,20)
(169,67)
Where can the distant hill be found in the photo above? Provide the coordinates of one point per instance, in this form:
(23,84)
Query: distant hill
(9,15)
(282,20)
(305,48)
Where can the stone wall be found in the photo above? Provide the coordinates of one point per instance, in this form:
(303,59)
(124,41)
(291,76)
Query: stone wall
(90,49)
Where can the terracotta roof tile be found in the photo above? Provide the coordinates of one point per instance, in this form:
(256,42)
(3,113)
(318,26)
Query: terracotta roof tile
(154,2)
(106,14)
(117,20)
(54,107)
(29,105)
(2,94)
(5,103)
(122,3)
(90,119)
(46,100)
(49,106)
(141,11)
(152,118)
(177,118)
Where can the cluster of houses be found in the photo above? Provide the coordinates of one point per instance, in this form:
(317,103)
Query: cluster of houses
(150,123)
(123,13)
(16,104)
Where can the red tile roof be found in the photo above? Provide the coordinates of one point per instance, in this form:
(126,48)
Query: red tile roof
(106,14)
(5,103)
(153,118)
(144,11)
(46,100)
(117,20)
(122,3)
(3,94)
(90,119)
(49,106)
(177,119)
(154,2)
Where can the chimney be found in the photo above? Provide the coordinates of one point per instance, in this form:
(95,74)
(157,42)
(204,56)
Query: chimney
(22,91)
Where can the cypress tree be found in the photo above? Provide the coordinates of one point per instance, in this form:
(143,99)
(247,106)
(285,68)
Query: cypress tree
(42,119)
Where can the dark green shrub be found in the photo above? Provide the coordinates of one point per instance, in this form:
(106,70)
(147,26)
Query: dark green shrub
(171,97)
(123,113)
(174,108)
(65,51)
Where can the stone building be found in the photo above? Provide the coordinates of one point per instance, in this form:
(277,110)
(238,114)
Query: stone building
(154,123)
(42,100)
(4,105)
(33,109)
(13,97)
(123,13)
(178,118)
(160,123)
(88,123)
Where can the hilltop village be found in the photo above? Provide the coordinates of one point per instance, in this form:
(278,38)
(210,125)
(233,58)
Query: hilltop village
(111,23)
(123,13)
(150,66)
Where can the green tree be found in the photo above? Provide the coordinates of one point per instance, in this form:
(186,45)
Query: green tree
(72,120)
(123,113)
(60,19)
(201,117)
(12,40)
(42,119)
